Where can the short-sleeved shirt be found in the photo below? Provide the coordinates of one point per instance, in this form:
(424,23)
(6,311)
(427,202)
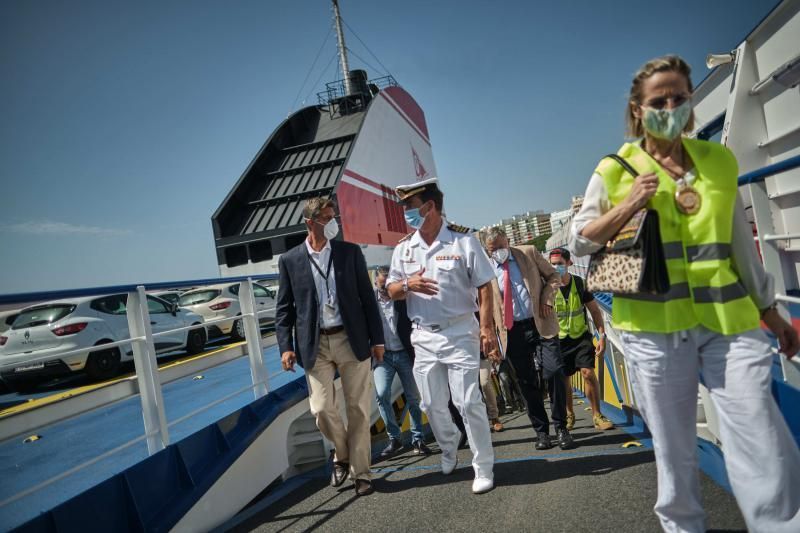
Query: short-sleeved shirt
(568,343)
(584,295)
(456,261)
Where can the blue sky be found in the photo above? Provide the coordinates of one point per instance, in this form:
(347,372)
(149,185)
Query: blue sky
(124,124)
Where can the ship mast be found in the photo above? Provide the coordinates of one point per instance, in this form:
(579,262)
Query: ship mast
(337,21)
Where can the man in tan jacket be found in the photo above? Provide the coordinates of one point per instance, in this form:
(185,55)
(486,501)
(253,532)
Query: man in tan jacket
(524,294)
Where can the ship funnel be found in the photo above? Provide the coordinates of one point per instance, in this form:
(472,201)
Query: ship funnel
(359,82)
(715,60)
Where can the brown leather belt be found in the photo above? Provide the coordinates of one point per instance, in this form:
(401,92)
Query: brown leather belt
(331,331)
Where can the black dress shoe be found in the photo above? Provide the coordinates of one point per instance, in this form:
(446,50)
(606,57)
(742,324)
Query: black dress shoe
(364,487)
(543,442)
(420,448)
(340,472)
(392,448)
(565,439)
(463,442)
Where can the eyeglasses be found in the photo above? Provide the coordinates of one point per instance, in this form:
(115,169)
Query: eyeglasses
(324,220)
(661,101)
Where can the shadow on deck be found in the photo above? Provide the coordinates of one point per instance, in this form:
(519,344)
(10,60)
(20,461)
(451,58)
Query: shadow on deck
(597,486)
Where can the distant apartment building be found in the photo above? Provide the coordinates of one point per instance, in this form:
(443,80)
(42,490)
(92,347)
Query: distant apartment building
(541,224)
(576,204)
(517,229)
(558,219)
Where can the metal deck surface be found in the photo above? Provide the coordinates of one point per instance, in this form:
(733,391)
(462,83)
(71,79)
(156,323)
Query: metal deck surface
(69,443)
(597,486)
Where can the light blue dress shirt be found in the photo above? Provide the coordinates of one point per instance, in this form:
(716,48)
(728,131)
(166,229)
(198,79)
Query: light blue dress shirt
(523,309)
(389,320)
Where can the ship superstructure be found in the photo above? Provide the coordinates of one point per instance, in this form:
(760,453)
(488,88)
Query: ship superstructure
(363,138)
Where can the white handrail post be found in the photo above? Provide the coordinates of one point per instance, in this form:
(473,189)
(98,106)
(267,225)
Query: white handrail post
(771,255)
(252,333)
(144,360)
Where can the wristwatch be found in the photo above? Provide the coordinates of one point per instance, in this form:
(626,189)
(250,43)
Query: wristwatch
(762,312)
(405,285)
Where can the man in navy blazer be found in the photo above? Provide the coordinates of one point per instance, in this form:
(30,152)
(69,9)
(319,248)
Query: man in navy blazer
(327,320)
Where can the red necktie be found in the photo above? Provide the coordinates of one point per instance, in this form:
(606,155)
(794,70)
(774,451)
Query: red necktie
(508,303)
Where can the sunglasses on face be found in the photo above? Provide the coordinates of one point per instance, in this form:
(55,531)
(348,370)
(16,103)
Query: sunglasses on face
(661,101)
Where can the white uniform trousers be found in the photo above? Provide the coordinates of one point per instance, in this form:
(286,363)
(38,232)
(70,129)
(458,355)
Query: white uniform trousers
(452,357)
(761,457)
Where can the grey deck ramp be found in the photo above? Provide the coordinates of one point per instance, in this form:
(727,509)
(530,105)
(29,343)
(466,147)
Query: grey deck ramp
(597,486)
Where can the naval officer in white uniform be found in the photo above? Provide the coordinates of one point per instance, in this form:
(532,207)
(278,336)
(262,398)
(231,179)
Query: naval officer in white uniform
(442,273)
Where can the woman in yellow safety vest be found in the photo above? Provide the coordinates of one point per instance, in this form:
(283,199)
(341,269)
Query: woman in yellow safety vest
(708,323)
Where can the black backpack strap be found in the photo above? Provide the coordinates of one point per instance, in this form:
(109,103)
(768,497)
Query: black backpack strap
(580,286)
(627,166)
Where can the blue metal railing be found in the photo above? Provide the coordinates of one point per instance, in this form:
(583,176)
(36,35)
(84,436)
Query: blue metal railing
(26,297)
(760,174)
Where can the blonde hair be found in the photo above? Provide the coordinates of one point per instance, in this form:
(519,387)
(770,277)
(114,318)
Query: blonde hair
(314,206)
(669,63)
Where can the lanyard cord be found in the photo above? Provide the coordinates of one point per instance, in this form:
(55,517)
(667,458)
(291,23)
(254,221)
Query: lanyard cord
(325,274)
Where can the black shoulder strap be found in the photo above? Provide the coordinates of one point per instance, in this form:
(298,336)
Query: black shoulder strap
(579,286)
(627,166)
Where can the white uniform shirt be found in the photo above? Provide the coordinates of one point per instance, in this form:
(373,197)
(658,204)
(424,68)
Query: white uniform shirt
(329,315)
(456,261)
(759,284)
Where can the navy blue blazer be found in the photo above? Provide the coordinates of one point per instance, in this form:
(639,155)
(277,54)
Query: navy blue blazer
(297,310)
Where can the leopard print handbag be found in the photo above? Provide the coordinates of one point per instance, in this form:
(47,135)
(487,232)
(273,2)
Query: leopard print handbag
(632,262)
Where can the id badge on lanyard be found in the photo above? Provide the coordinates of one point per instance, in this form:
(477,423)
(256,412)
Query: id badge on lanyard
(330,298)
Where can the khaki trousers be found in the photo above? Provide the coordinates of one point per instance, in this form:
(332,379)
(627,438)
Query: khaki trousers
(352,441)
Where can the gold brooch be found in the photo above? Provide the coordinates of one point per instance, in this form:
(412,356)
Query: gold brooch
(688,199)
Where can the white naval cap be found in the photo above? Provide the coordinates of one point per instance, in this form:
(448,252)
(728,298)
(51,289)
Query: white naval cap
(404,192)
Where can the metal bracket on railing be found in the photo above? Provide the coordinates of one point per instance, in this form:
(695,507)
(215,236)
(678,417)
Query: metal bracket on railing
(144,360)
(252,333)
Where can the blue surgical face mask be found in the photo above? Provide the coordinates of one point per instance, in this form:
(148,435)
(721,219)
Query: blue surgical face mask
(561,269)
(414,218)
(666,123)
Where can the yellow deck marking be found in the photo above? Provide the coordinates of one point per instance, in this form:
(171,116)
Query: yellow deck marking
(35,403)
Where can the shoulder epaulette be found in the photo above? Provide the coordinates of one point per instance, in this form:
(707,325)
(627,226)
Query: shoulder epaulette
(406,237)
(458,228)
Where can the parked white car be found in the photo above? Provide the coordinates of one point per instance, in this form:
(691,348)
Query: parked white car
(7,318)
(171,296)
(222,301)
(30,350)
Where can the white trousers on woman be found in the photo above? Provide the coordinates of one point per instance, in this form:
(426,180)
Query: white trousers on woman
(761,456)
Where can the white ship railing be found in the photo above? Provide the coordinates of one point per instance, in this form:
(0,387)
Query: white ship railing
(156,426)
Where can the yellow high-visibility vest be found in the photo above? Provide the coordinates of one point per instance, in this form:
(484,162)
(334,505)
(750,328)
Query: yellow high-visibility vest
(570,312)
(704,287)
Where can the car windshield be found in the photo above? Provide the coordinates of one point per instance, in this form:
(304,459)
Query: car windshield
(38,316)
(199,297)
(171,297)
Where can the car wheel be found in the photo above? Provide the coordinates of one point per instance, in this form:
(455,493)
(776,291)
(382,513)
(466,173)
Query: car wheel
(196,341)
(104,364)
(237,331)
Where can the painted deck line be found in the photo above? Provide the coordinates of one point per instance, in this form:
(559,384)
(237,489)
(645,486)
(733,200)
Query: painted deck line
(71,393)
